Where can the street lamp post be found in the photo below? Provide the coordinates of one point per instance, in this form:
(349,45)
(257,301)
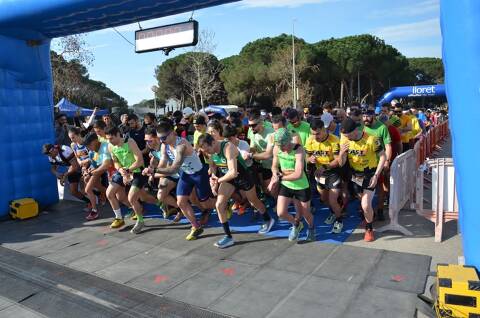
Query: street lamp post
(294,77)
(154,90)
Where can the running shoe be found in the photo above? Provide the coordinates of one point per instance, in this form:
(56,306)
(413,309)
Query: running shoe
(224,242)
(178,217)
(241,209)
(117,223)
(295,232)
(194,233)
(311,237)
(138,227)
(330,219)
(337,227)
(235,207)
(93,215)
(266,226)
(369,237)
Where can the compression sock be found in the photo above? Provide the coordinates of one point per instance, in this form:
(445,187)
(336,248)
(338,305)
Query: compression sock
(118,214)
(139,217)
(369,226)
(226,229)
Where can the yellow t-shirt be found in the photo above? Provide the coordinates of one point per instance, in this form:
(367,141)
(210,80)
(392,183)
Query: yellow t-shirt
(362,154)
(415,127)
(404,121)
(324,151)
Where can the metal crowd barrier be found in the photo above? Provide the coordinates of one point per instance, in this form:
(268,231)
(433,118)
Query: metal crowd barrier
(402,177)
(444,201)
(407,181)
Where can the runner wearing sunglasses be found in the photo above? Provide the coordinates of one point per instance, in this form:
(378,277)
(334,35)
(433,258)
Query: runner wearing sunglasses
(192,174)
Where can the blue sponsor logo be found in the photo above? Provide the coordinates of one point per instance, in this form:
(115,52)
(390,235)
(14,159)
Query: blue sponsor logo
(423,90)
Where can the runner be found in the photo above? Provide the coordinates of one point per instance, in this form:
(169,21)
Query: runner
(99,127)
(322,150)
(376,128)
(82,155)
(166,184)
(193,174)
(366,159)
(200,125)
(128,160)
(63,156)
(229,174)
(96,174)
(294,185)
(258,144)
(405,126)
(302,128)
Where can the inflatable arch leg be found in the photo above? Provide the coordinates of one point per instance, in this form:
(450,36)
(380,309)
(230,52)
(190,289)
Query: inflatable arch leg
(460,20)
(26,120)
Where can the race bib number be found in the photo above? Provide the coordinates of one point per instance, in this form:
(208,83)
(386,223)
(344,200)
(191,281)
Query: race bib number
(322,180)
(358,180)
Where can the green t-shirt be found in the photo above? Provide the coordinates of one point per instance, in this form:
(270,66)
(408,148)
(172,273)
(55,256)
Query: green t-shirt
(379,130)
(197,135)
(303,130)
(260,141)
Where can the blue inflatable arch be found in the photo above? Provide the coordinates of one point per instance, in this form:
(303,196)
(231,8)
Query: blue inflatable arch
(412,92)
(26,105)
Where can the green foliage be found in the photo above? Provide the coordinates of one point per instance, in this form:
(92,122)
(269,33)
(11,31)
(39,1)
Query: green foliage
(261,72)
(427,70)
(71,80)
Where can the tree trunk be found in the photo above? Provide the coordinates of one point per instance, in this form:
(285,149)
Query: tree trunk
(350,97)
(341,94)
(371,89)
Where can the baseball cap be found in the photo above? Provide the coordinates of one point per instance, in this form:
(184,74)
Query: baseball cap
(349,125)
(327,118)
(187,111)
(200,120)
(282,136)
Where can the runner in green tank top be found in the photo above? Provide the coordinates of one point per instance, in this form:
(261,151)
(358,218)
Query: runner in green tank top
(294,185)
(229,174)
(128,160)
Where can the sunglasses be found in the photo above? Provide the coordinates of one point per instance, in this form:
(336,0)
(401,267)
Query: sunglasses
(253,125)
(148,141)
(164,138)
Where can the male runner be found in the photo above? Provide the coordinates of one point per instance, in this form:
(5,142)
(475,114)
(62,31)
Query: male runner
(366,158)
(322,150)
(193,174)
(376,128)
(230,173)
(128,161)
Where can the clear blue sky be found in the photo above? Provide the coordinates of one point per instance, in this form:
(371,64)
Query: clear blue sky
(412,26)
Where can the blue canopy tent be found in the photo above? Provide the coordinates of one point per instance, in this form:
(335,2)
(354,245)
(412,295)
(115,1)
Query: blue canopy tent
(26,27)
(71,110)
(216,110)
(411,92)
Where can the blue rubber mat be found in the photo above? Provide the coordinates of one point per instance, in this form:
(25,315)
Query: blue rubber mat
(247,224)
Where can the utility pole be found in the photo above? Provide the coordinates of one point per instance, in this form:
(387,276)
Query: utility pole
(358,86)
(154,90)
(294,76)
